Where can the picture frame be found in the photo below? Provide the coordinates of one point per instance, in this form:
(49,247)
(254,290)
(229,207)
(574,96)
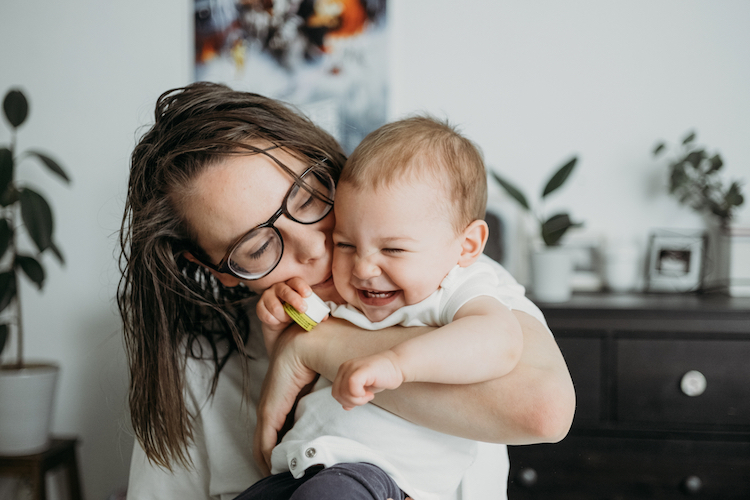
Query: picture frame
(675,260)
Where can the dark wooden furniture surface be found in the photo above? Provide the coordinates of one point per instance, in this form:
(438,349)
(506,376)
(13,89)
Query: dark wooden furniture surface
(663,401)
(61,452)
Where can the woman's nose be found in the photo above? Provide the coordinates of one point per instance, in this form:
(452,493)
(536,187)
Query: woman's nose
(305,242)
(365,267)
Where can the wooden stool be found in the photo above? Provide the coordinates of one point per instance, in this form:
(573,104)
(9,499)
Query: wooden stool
(35,467)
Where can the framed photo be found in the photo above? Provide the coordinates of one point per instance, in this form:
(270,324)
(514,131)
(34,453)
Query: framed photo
(675,261)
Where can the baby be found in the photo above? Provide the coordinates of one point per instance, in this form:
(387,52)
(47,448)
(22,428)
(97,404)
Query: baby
(408,245)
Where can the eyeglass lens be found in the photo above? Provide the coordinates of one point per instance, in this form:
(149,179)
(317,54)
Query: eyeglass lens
(261,249)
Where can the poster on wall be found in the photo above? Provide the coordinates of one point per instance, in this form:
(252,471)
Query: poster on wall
(327,57)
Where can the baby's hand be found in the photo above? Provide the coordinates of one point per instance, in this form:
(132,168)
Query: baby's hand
(270,308)
(359,379)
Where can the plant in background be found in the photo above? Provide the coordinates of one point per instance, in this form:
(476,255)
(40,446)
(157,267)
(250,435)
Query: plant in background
(554,227)
(694,178)
(21,208)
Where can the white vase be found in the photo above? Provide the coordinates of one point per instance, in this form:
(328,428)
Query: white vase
(551,269)
(728,260)
(623,267)
(26,404)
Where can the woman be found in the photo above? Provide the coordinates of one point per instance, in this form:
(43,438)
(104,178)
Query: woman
(230,193)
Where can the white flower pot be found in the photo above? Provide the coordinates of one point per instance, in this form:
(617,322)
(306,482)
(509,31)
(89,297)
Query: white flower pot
(551,269)
(623,267)
(728,260)
(26,404)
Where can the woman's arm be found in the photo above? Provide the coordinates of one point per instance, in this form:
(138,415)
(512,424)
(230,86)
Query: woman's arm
(534,403)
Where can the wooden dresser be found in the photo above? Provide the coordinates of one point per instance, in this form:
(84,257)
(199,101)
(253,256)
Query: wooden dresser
(663,401)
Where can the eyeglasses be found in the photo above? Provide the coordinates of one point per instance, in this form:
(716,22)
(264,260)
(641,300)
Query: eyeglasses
(259,251)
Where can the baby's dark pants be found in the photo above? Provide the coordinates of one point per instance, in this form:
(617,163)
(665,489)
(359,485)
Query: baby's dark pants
(355,481)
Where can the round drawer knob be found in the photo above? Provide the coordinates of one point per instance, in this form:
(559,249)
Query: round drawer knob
(693,383)
(527,477)
(692,485)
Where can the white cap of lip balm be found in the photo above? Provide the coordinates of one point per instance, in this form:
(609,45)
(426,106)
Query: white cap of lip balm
(316,311)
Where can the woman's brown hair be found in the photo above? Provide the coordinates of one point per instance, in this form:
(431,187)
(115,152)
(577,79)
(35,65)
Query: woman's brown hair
(168,303)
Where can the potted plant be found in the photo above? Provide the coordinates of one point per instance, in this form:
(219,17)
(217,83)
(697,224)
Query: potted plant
(550,265)
(26,389)
(695,179)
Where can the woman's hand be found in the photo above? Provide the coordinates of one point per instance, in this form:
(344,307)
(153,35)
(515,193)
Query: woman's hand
(286,378)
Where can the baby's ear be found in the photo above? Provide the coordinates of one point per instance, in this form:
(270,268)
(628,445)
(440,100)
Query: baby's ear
(474,238)
(225,279)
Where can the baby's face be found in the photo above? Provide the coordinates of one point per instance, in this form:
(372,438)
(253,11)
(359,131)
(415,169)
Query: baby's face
(392,246)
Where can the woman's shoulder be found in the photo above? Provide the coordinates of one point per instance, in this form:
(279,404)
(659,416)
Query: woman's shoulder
(514,294)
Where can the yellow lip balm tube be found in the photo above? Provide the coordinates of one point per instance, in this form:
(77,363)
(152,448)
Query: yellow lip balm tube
(316,311)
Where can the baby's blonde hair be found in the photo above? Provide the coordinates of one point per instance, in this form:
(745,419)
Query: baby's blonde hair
(422,147)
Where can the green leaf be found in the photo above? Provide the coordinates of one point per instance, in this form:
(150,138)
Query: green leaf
(55,250)
(555,227)
(32,268)
(7,288)
(734,196)
(678,177)
(514,192)
(560,176)
(6,233)
(716,163)
(659,148)
(9,196)
(37,216)
(51,164)
(16,107)
(695,158)
(689,138)
(6,168)
(3,336)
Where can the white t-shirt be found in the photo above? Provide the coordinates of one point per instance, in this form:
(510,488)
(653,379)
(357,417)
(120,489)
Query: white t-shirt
(221,454)
(460,286)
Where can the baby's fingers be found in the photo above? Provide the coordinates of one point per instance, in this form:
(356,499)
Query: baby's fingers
(292,297)
(300,286)
(271,312)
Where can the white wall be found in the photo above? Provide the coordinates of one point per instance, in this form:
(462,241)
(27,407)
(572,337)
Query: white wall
(531,82)
(536,82)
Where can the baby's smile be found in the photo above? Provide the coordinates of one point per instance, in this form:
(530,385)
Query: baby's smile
(377,298)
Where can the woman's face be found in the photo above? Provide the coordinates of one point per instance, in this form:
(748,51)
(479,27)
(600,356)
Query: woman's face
(234,196)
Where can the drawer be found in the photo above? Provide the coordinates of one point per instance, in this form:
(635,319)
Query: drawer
(583,467)
(583,357)
(650,377)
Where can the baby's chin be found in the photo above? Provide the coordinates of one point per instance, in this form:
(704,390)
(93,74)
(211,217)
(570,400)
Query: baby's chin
(378,313)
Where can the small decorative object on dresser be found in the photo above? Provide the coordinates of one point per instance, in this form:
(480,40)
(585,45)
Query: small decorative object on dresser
(663,403)
(26,389)
(675,261)
(551,265)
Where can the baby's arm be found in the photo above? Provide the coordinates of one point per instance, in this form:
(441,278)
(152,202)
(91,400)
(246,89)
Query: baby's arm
(270,308)
(483,342)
